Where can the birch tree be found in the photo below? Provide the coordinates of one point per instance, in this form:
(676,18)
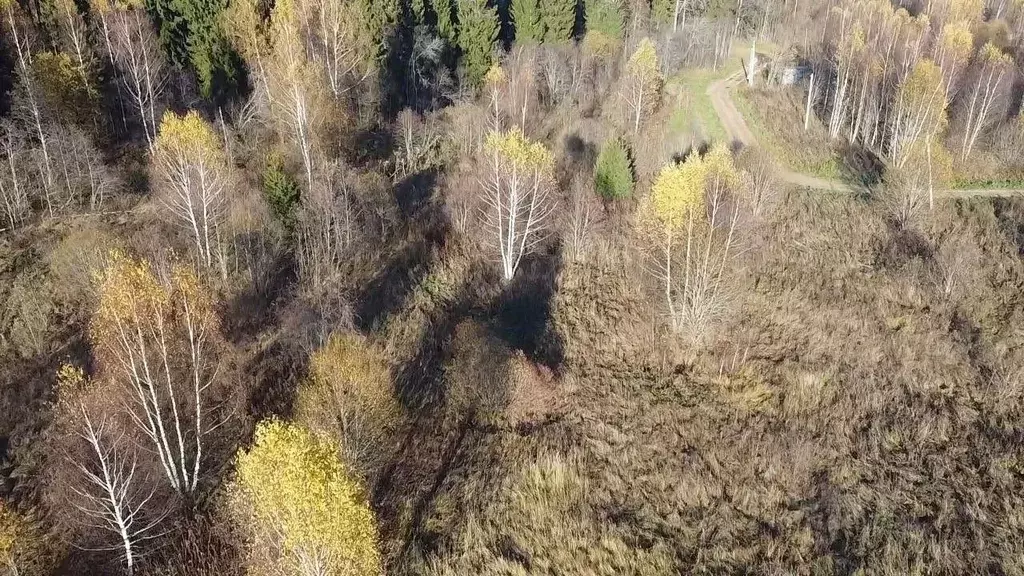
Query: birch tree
(136,53)
(13,179)
(692,215)
(642,83)
(984,93)
(194,174)
(516,197)
(158,340)
(72,36)
(28,100)
(338,42)
(919,110)
(114,499)
(304,511)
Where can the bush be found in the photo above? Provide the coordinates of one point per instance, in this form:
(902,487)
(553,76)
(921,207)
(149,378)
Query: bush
(542,524)
(302,506)
(281,191)
(350,395)
(613,175)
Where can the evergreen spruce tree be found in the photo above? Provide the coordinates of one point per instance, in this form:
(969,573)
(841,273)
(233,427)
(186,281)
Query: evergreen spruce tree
(559,18)
(605,17)
(662,11)
(613,174)
(209,53)
(445,12)
(526,17)
(478,30)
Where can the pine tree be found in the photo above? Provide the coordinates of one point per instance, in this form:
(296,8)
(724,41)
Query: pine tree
(604,20)
(445,12)
(662,11)
(478,30)
(559,17)
(281,191)
(209,52)
(613,175)
(526,16)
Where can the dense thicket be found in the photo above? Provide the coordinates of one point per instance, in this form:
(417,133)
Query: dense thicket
(448,287)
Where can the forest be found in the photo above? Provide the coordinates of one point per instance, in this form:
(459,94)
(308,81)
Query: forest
(511,287)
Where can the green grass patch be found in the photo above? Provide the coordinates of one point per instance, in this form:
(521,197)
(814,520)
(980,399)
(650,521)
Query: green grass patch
(694,103)
(782,133)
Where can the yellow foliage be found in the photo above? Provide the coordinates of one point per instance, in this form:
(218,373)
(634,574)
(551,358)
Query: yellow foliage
(599,43)
(519,152)
(22,550)
(965,10)
(920,87)
(644,61)
(678,190)
(956,41)
(990,53)
(349,380)
(292,489)
(495,76)
(189,136)
(129,291)
(131,297)
(63,85)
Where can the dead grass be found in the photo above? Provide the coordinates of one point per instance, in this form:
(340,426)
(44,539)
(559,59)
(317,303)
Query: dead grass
(776,116)
(853,420)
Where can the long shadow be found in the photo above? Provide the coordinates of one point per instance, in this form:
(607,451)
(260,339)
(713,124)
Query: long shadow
(251,310)
(426,228)
(275,373)
(523,312)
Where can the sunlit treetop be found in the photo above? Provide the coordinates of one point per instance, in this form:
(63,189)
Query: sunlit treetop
(63,85)
(293,484)
(495,76)
(644,61)
(677,192)
(990,53)
(129,292)
(719,169)
(515,149)
(188,135)
(22,550)
(965,10)
(956,41)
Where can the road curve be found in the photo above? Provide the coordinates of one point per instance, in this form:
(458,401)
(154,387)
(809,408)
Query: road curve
(739,133)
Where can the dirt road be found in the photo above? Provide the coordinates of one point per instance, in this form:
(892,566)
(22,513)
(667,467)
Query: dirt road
(739,133)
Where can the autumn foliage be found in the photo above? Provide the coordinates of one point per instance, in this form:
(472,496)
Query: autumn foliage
(305,511)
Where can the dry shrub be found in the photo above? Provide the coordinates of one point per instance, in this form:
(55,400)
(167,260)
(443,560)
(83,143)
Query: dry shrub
(540,523)
(74,265)
(350,395)
(601,313)
(23,544)
(27,317)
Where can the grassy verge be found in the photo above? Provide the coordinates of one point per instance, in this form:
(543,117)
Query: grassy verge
(782,134)
(694,104)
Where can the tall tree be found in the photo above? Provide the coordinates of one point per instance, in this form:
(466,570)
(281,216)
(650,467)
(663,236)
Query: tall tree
(516,196)
(194,178)
(71,36)
(985,92)
(159,340)
(527,18)
(478,31)
(919,111)
(209,53)
(135,51)
(304,511)
(642,83)
(559,17)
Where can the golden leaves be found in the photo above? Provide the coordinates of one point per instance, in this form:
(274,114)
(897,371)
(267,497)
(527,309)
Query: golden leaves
(514,149)
(291,483)
(643,63)
(188,136)
(679,190)
(131,297)
(495,76)
(956,40)
(349,379)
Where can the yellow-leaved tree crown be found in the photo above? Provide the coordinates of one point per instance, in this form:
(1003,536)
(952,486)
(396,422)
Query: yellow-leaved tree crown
(298,496)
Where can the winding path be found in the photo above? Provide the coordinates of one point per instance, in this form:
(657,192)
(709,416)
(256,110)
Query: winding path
(738,132)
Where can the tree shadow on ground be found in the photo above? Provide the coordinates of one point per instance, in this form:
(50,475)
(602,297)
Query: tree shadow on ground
(523,313)
(425,230)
